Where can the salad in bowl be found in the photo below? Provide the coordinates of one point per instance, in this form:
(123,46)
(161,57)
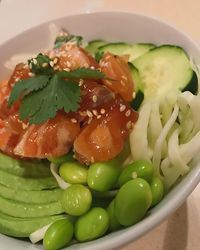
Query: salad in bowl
(94,135)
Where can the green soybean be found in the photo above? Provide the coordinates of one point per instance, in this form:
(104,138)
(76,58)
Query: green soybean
(61,159)
(142,169)
(103,176)
(157,189)
(114,223)
(73,172)
(76,200)
(132,201)
(58,235)
(92,225)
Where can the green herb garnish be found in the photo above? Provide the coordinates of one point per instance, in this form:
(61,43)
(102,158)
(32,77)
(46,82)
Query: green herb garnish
(49,91)
(69,38)
(98,55)
(41,65)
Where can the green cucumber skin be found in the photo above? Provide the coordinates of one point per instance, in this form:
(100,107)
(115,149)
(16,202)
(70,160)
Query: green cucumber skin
(21,228)
(192,86)
(26,210)
(93,46)
(35,197)
(164,55)
(24,168)
(121,48)
(17,182)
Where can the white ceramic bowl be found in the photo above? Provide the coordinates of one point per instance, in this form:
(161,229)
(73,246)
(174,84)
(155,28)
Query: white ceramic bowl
(127,27)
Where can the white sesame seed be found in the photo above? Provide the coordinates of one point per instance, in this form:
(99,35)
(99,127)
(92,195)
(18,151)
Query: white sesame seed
(51,63)
(89,114)
(68,64)
(124,77)
(134,95)
(89,120)
(107,57)
(66,69)
(122,108)
(56,67)
(81,82)
(92,67)
(25,66)
(73,120)
(17,79)
(44,65)
(102,111)
(31,74)
(94,98)
(128,113)
(94,111)
(92,159)
(55,60)
(129,125)
(99,116)
(122,83)
(34,61)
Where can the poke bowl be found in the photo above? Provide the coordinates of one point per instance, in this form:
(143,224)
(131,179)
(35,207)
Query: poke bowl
(165,130)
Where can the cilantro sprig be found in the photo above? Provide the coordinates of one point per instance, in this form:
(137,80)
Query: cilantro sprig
(50,91)
(67,38)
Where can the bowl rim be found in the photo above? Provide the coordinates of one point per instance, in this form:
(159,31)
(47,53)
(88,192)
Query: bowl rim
(126,236)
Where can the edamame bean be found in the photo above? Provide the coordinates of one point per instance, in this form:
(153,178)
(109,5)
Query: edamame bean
(58,235)
(142,169)
(76,200)
(103,176)
(132,201)
(157,189)
(73,172)
(114,223)
(61,159)
(92,225)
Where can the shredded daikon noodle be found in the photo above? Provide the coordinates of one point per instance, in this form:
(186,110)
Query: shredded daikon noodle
(54,170)
(167,133)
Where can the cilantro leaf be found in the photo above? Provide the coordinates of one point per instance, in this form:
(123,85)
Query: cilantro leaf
(24,87)
(82,73)
(41,65)
(69,38)
(58,94)
(99,55)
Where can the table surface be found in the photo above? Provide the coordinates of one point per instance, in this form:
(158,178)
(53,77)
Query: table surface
(181,230)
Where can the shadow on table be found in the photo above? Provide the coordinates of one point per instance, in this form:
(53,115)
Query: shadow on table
(176,234)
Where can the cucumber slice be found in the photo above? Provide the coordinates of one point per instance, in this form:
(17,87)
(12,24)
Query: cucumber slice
(136,77)
(139,49)
(163,69)
(133,51)
(93,46)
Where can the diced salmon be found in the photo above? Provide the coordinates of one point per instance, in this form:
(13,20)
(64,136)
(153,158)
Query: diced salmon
(116,68)
(103,138)
(53,138)
(74,57)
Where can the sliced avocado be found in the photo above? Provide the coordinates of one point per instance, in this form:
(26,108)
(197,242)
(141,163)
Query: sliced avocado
(17,182)
(31,169)
(28,210)
(18,227)
(36,197)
